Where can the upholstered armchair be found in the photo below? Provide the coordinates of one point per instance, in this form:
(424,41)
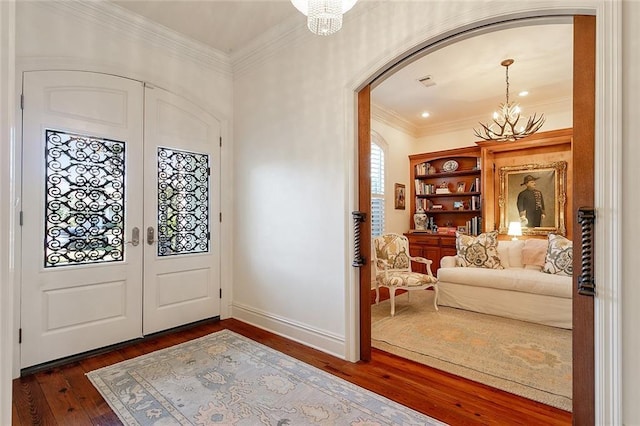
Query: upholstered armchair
(393,269)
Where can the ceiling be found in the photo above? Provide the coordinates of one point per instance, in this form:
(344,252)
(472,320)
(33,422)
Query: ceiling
(467,78)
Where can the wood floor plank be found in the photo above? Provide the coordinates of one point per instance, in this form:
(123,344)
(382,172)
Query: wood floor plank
(65,406)
(440,395)
(86,394)
(30,403)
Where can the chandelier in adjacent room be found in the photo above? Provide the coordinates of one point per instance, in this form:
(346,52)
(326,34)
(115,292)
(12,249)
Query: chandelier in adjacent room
(505,121)
(324,17)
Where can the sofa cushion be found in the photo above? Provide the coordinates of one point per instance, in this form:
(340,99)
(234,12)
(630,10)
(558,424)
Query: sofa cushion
(480,251)
(534,252)
(559,259)
(513,249)
(523,280)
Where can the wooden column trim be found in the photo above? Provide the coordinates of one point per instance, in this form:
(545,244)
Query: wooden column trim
(584,77)
(364,205)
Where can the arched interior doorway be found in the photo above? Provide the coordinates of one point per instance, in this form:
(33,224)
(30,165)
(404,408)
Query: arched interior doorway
(583,195)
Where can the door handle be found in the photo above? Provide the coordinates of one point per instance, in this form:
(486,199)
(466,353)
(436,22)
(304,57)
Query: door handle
(358,218)
(135,237)
(586,281)
(150,235)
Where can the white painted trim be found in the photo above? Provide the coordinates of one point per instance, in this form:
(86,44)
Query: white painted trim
(394,120)
(8,333)
(608,204)
(299,332)
(608,244)
(112,16)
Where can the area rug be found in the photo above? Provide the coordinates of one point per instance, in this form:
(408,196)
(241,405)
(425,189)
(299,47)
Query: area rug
(523,358)
(227,379)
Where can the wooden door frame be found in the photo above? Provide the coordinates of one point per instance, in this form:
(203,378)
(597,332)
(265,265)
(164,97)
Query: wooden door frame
(584,95)
(583,190)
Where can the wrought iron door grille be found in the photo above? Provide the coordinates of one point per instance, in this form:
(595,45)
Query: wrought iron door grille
(183,202)
(84,199)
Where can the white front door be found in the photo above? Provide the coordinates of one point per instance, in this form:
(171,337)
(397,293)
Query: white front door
(81,189)
(92,187)
(182,201)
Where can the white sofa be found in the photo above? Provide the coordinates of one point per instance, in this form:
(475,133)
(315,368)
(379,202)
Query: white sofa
(518,291)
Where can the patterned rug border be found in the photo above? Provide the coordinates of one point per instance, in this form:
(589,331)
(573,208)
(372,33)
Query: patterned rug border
(526,391)
(126,417)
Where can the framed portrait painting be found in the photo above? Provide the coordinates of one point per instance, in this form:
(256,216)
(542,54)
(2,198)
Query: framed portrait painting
(534,195)
(400,195)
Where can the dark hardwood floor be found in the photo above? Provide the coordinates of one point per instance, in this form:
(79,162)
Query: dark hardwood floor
(64,396)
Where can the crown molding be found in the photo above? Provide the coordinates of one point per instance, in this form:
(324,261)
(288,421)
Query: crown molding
(391,118)
(128,23)
(287,34)
(394,120)
(553,106)
(261,48)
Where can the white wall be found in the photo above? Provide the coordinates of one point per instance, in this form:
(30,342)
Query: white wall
(396,165)
(631,204)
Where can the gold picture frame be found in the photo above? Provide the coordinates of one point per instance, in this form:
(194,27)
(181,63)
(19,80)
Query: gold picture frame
(516,191)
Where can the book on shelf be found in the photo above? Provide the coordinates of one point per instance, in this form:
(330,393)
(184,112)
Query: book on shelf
(475,202)
(422,168)
(451,230)
(423,188)
(474,225)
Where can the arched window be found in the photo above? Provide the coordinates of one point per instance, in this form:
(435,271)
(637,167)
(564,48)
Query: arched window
(377,185)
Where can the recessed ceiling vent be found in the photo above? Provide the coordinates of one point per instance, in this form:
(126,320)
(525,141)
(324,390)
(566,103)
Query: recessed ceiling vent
(427,81)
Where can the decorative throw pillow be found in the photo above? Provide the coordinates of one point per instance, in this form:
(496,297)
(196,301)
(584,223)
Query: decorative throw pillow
(480,251)
(559,259)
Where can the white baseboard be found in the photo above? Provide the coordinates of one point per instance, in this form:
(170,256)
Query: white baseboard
(301,333)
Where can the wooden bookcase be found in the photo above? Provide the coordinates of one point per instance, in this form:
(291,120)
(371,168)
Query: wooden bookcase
(448,185)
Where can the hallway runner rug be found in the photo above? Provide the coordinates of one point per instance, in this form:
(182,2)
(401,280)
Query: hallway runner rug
(227,379)
(519,357)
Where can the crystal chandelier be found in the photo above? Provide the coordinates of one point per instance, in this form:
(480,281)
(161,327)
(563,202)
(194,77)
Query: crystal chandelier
(324,17)
(505,120)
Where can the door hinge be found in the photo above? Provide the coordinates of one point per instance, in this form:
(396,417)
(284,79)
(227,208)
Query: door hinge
(220,217)
(208,235)
(21,218)
(20,335)
(209,171)
(22,101)
(220,141)
(220,293)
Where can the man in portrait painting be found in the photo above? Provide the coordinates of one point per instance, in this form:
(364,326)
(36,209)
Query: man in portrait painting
(530,203)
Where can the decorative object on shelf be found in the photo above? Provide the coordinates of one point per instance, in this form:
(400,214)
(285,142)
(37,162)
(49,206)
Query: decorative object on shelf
(324,17)
(515,230)
(535,192)
(443,188)
(458,205)
(461,187)
(462,229)
(505,120)
(399,196)
(420,220)
(432,170)
(450,166)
